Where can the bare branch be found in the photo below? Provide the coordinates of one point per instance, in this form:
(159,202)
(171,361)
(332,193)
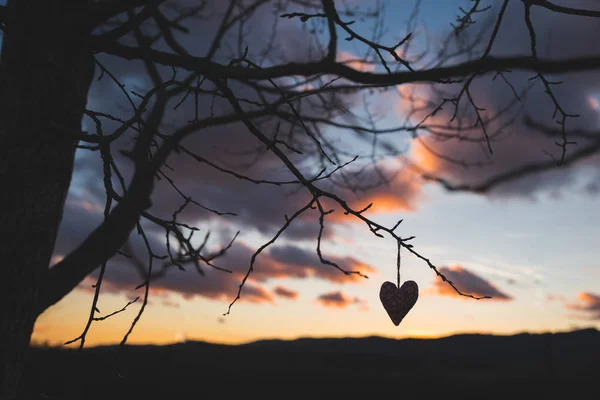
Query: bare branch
(130,302)
(564,10)
(316,192)
(67,274)
(108,238)
(287,223)
(322,214)
(496,28)
(482,66)
(3,14)
(466,19)
(331,15)
(558,109)
(146,285)
(517,173)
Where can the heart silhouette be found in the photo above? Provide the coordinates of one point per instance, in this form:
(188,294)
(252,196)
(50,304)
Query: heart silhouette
(398,302)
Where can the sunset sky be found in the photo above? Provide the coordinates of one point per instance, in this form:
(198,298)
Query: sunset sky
(531,244)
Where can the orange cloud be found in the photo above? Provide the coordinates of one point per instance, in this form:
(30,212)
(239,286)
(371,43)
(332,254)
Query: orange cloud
(400,196)
(389,188)
(467,282)
(413,97)
(588,303)
(424,158)
(339,300)
(286,293)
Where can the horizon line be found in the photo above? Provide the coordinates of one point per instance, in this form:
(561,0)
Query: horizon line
(42,345)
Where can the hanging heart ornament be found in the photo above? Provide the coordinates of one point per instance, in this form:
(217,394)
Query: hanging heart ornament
(398,301)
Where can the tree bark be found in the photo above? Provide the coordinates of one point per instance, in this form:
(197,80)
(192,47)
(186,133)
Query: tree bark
(45,74)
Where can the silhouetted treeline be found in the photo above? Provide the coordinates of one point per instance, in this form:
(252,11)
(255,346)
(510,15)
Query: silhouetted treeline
(481,365)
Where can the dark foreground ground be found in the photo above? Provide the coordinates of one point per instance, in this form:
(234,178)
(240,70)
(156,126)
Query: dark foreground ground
(462,366)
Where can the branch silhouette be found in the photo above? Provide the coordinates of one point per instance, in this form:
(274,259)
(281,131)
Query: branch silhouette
(482,67)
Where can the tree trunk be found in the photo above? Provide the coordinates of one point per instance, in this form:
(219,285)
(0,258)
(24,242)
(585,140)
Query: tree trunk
(45,74)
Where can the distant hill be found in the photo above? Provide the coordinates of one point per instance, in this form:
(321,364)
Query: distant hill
(459,365)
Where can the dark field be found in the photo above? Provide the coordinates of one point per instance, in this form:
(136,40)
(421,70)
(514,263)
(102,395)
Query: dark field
(482,366)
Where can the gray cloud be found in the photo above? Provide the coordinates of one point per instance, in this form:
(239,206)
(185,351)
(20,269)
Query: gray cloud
(468,283)
(274,264)
(338,299)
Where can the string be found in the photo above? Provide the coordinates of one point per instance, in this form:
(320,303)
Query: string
(398,261)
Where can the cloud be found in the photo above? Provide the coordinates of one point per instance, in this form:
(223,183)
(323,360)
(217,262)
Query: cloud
(390,188)
(338,299)
(121,277)
(290,261)
(259,207)
(515,144)
(285,293)
(589,304)
(276,263)
(467,282)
